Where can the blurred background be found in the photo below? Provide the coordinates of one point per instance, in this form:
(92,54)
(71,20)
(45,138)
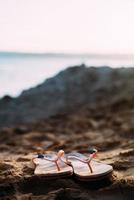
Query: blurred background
(66,82)
(40,38)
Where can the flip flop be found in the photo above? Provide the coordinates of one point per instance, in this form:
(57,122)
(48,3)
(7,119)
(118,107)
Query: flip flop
(85,168)
(51,165)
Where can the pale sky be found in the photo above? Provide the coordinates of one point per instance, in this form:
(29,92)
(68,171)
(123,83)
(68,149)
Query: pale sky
(77,26)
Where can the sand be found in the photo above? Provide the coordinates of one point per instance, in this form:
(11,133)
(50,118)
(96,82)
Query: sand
(110,129)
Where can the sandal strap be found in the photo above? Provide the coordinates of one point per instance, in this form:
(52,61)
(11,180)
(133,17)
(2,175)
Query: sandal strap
(86,161)
(55,160)
(80,159)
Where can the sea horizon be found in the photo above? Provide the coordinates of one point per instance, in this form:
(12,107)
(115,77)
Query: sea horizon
(22,70)
(66,54)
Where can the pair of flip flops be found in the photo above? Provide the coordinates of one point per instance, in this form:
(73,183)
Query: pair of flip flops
(60,165)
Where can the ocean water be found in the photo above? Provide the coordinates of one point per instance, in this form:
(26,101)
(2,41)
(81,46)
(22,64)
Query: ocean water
(23,72)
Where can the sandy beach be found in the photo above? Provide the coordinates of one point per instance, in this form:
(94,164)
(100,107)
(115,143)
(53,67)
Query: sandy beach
(66,100)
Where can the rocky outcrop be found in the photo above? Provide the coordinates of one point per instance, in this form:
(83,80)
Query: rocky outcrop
(67,91)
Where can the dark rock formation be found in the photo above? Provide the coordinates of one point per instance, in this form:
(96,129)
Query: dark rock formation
(70,89)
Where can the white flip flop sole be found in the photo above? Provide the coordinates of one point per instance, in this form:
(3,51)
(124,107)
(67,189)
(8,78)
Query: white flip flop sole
(49,169)
(82,171)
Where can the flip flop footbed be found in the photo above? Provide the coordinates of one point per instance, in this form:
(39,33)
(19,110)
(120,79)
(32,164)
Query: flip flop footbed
(48,168)
(82,169)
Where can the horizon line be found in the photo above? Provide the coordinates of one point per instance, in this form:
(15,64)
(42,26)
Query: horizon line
(66,54)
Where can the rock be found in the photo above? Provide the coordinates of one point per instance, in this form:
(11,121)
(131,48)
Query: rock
(69,90)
